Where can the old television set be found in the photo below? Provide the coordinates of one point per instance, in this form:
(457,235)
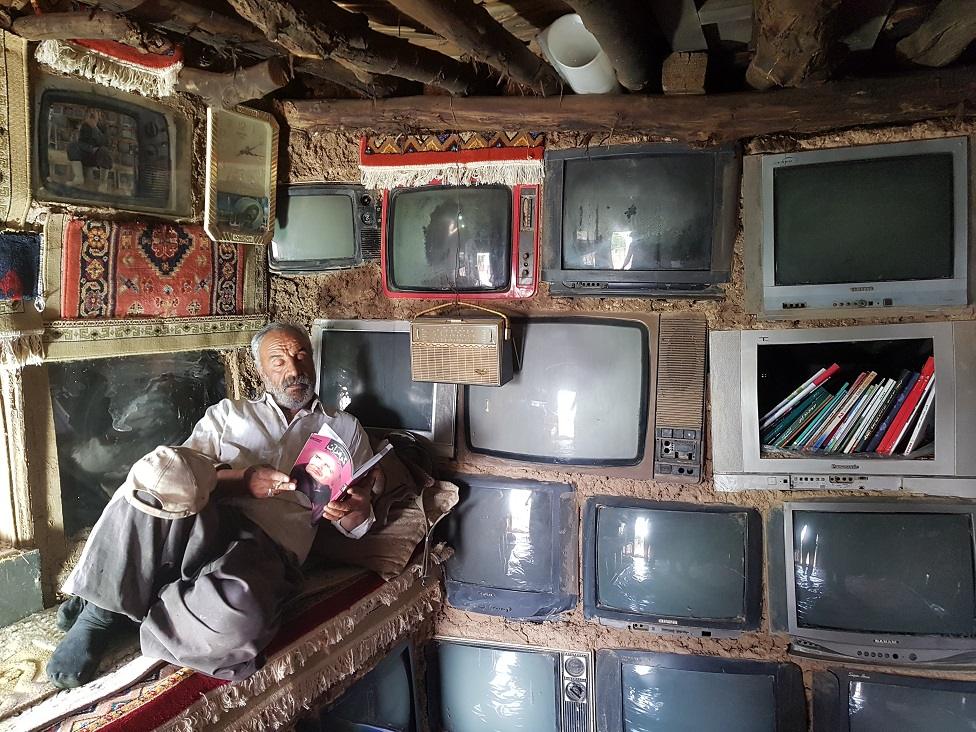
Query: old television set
(672,567)
(363,368)
(637,414)
(642,690)
(515,548)
(852,231)
(864,701)
(441,241)
(384,700)
(96,146)
(761,367)
(480,686)
(321,227)
(640,220)
(881,582)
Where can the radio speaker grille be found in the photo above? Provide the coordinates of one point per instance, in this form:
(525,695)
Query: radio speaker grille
(681,372)
(460,352)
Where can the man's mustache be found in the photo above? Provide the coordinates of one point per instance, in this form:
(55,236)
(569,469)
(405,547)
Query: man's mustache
(300,380)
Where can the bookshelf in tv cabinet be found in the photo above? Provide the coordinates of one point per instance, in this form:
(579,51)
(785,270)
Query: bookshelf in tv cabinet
(872,399)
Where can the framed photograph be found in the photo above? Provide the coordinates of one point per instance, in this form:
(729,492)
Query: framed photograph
(100,147)
(242,168)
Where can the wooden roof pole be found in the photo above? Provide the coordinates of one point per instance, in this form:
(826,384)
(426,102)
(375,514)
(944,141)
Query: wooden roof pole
(796,42)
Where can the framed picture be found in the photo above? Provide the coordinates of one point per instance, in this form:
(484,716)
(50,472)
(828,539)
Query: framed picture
(242,167)
(97,146)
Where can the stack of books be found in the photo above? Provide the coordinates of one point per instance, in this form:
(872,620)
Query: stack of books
(872,414)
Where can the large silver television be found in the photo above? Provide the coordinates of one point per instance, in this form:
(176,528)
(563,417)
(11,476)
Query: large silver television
(891,583)
(857,231)
(753,370)
(363,368)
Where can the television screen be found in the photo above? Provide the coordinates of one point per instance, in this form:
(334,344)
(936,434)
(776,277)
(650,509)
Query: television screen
(644,691)
(489,689)
(309,228)
(900,573)
(569,403)
(860,701)
(638,212)
(661,698)
(108,413)
(694,564)
(514,547)
(450,238)
(364,369)
(381,701)
(874,220)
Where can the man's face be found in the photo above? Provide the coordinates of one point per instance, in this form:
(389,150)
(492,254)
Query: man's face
(319,467)
(287,369)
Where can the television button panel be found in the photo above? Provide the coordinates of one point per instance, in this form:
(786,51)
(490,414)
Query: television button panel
(370,208)
(575,703)
(528,237)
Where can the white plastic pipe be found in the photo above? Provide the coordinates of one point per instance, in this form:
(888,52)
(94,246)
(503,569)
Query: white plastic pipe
(576,55)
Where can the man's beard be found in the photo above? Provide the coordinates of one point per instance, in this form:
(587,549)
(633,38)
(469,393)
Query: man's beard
(286,399)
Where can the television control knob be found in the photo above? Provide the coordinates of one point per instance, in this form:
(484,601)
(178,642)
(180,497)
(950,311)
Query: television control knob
(576,692)
(575,666)
(367,218)
(365,200)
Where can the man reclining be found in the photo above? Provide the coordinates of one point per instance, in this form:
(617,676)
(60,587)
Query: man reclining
(202,545)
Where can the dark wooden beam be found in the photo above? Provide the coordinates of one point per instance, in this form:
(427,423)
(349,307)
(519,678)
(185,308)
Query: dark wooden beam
(88,25)
(943,36)
(361,82)
(234,87)
(945,92)
(796,42)
(319,29)
(472,28)
(623,30)
(684,72)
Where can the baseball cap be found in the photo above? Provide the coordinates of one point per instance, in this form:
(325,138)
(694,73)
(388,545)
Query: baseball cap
(178,479)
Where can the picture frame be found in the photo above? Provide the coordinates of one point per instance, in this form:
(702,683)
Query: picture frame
(97,147)
(242,173)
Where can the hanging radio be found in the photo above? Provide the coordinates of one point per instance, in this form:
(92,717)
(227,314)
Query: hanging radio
(472,350)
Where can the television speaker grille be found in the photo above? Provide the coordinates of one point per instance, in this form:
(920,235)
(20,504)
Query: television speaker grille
(369,241)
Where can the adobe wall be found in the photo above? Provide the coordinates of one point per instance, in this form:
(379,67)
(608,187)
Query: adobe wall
(358,294)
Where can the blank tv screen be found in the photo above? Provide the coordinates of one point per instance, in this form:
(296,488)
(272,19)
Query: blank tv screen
(367,373)
(496,690)
(383,698)
(638,212)
(676,563)
(447,238)
(503,538)
(905,573)
(314,227)
(580,396)
(887,707)
(864,220)
(659,698)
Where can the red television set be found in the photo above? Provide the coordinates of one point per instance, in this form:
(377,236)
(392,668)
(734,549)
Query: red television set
(441,241)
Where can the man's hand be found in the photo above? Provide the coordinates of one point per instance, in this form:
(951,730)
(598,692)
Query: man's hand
(263,481)
(354,508)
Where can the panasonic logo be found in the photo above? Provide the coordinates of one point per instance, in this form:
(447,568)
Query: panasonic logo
(667,621)
(842,466)
(885,642)
(862,289)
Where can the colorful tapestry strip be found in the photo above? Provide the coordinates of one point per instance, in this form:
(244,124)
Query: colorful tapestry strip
(453,158)
(133,270)
(20,258)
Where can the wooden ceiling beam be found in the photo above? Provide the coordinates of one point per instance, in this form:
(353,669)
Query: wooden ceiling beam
(623,29)
(473,29)
(943,36)
(90,25)
(240,85)
(362,82)
(319,29)
(713,118)
(796,42)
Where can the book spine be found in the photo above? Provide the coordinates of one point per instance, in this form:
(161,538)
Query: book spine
(882,412)
(913,416)
(838,420)
(886,423)
(861,424)
(770,416)
(835,444)
(828,427)
(798,395)
(801,440)
(923,419)
(821,398)
(898,425)
(789,419)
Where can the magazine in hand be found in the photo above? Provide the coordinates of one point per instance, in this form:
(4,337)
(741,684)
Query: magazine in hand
(324,470)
